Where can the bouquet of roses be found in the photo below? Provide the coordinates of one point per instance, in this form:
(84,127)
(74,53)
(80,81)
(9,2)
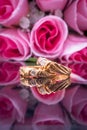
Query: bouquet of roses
(54,29)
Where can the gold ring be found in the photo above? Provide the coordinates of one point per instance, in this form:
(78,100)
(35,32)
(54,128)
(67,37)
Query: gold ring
(48,76)
(52,66)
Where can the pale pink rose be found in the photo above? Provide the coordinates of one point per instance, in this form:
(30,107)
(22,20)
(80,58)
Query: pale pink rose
(50,5)
(75,49)
(75,101)
(9,72)
(12,106)
(79,72)
(48,36)
(15,45)
(76,15)
(50,117)
(49,99)
(12,11)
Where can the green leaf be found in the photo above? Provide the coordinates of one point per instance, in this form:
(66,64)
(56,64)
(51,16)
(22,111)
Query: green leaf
(32,59)
(30,63)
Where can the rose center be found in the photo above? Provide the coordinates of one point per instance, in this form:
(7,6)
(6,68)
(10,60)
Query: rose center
(5,9)
(9,48)
(48,36)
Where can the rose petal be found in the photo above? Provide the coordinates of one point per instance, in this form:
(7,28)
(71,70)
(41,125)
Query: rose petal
(48,99)
(73,46)
(16,45)
(82,22)
(70,16)
(52,4)
(9,72)
(75,101)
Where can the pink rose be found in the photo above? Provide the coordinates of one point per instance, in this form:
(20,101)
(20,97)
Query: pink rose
(9,72)
(50,5)
(50,117)
(79,72)
(76,15)
(12,11)
(75,101)
(49,99)
(12,106)
(48,36)
(75,49)
(14,45)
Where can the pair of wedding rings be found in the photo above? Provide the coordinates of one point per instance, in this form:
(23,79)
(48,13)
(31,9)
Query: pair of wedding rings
(47,76)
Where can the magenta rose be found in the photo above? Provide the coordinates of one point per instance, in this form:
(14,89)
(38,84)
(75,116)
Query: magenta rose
(49,99)
(79,72)
(15,45)
(50,5)
(12,106)
(9,72)
(75,101)
(75,49)
(50,117)
(76,15)
(48,36)
(12,11)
